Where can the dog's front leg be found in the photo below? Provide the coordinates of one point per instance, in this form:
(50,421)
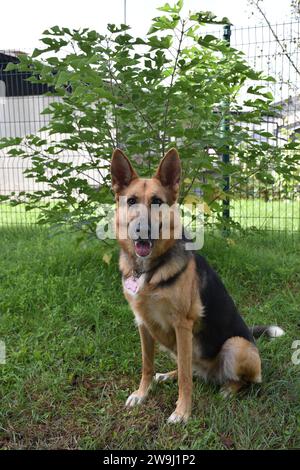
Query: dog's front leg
(184,340)
(147,343)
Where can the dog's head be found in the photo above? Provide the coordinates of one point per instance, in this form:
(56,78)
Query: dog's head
(143,205)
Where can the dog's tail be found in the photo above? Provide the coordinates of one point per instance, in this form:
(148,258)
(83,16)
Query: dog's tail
(270,331)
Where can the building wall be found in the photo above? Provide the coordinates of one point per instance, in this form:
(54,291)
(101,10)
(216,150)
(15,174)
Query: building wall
(20,116)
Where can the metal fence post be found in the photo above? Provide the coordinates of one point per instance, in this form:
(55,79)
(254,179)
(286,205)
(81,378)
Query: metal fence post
(226,156)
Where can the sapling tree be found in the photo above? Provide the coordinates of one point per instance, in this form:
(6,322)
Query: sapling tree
(176,85)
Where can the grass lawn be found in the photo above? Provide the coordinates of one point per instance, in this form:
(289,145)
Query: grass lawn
(281,215)
(73,352)
(16,215)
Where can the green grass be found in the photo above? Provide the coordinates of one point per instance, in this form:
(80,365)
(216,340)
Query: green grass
(16,215)
(281,215)
(73,352)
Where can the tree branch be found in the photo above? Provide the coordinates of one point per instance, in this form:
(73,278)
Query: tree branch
(170,88)
(288,56)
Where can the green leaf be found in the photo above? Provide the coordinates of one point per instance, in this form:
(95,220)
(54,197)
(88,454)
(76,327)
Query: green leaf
(109,91)
(207,17)
(172,9)
(63,78)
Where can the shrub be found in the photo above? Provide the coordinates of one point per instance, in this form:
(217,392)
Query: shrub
(176,86)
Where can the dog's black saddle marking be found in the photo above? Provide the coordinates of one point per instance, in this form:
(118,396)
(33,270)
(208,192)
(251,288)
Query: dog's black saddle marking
(221,319)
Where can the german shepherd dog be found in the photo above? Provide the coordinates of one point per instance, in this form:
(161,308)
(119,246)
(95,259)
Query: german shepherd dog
(177,298)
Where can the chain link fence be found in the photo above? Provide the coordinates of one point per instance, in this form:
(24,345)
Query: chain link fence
(275,51)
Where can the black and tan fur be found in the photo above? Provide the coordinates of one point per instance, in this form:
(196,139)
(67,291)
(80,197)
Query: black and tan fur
(181,303)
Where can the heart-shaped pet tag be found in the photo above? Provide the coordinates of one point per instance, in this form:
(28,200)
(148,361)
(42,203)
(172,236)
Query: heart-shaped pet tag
(131,284)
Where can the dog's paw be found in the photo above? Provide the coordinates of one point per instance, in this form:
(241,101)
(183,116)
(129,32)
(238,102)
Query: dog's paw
(178,418)
(162,377)
(230,389)
(226,393)
(135,399)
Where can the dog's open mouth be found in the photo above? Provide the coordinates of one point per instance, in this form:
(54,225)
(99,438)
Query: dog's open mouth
(143,247)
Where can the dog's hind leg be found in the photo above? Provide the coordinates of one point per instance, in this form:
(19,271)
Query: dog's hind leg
(166,376)
(148,347)
(239,365)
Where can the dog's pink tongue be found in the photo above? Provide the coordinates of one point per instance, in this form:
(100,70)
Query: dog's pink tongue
(142,248)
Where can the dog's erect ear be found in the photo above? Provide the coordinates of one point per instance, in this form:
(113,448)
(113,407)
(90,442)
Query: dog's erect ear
(169,170)
(122,172)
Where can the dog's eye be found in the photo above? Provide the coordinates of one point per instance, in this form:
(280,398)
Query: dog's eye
(157,200)
(131,201)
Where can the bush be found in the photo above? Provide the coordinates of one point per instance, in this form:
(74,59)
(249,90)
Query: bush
(177,86)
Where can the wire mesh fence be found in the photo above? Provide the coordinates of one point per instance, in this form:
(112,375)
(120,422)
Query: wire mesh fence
(273,50)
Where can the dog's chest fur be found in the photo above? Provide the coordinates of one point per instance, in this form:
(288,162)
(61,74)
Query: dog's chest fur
(161,308)
(153,309)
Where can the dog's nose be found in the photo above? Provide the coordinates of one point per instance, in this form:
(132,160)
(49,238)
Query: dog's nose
(141,230)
